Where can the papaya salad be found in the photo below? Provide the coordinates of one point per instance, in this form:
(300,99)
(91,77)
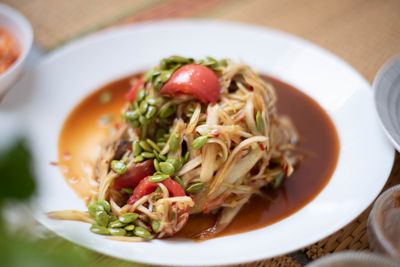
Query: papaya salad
(196,136)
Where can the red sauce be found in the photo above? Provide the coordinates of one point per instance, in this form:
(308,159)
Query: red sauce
(319,144)
(9,50)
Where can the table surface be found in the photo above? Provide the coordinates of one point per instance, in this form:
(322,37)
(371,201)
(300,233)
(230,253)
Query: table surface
(365,33)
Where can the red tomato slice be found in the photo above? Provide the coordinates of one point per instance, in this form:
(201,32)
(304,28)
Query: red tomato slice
(146,187)
(194,79)
(131,95)
(174,189)
(134,175)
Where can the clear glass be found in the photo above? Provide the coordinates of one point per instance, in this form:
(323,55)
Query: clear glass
(353,258)
(384,223)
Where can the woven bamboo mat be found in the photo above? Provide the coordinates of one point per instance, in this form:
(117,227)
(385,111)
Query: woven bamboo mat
(365,33)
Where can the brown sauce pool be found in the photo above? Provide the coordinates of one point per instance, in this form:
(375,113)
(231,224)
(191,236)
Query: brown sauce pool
(87,126)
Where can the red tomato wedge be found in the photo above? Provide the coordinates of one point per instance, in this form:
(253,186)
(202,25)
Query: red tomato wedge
(131,95)
(174,189)
(146,187)
(194,79)
(134,175)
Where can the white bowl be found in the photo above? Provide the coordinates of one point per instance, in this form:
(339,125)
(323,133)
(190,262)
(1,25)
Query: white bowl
(21,30)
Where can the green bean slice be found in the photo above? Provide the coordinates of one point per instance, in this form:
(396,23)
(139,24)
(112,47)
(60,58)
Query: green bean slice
(259,122)
(223,62)
(101,218)
(158,178)
(116,224)
(175,162)
(105,205)
(143,132)
(92,209)
(112,217)
(93,201)
(148,75)
(143,107)
(152,101)
(138,159)
(152,144)
(100,230)
(131,115)
(155,225)
(156,165)
(141,93)
(129,227)
(165,75)
(118,166)
(117,231)
(143,121)
(167,110)
(141,232)
(134,123)
(163,157)
(179,59)
(167,168)
(147,155)
(128,217)
(151,111)
(174,141)
(195,188)
(186,157)
(137,149)
(143,144)
(199,142)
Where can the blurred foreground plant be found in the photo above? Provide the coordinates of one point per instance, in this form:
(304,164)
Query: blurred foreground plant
(20,248)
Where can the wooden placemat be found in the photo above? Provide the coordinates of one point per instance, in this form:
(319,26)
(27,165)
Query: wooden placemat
(365,33)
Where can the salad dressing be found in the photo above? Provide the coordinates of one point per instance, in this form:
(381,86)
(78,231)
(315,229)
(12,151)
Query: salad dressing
(91,120)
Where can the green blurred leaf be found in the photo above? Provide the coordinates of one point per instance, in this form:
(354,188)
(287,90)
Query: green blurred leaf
(18,249)
(16,179)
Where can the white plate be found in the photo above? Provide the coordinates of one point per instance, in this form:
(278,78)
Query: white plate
(60,81)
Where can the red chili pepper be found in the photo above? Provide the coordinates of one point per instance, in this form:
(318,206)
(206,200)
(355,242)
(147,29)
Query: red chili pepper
(251,88)
(261,146)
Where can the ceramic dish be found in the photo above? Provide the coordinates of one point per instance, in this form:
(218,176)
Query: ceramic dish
(387,99)
(20,29)
(67,75)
